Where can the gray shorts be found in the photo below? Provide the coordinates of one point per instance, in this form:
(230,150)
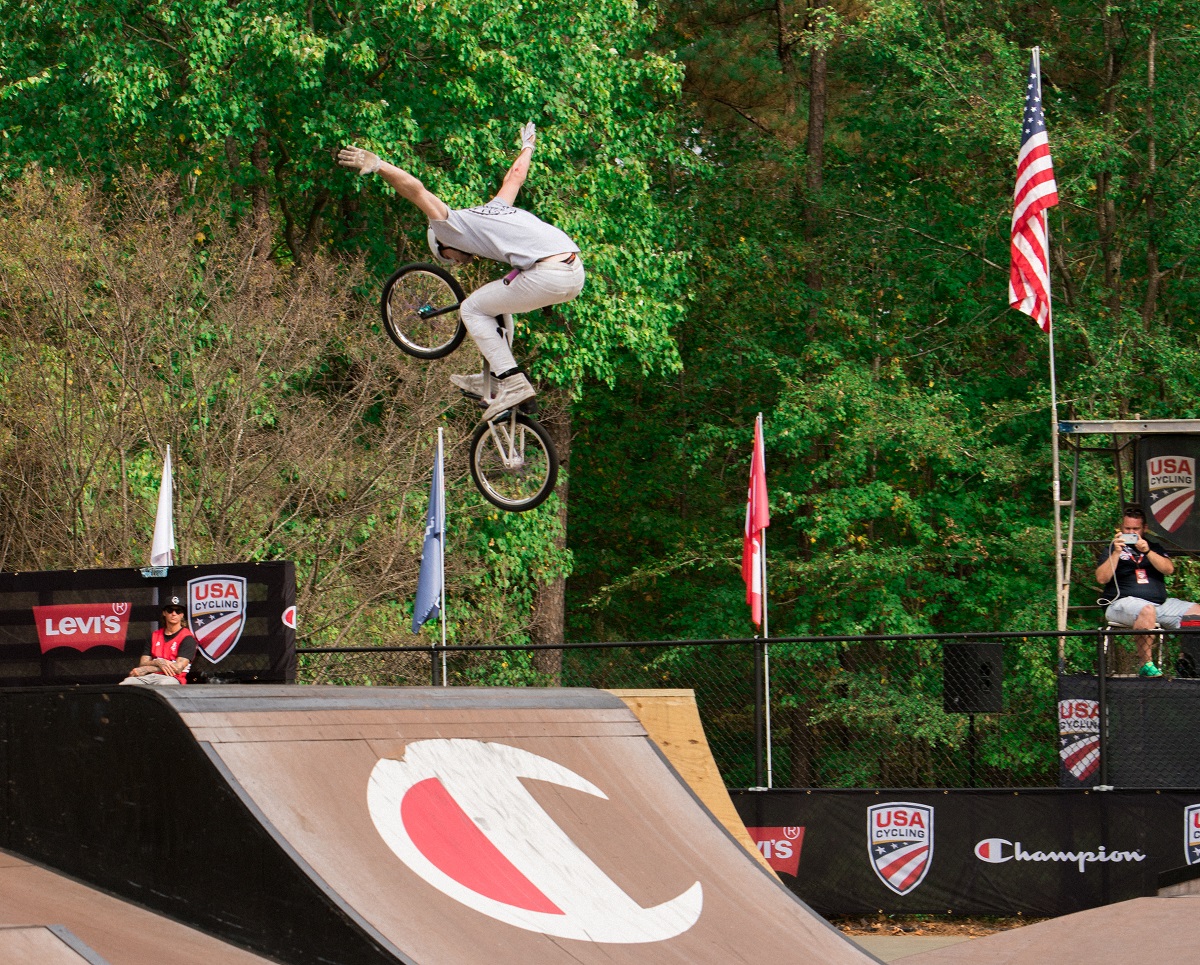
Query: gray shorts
(1124,611)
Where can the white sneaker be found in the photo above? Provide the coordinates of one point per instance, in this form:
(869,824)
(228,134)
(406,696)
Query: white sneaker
(470,384)
(511,393)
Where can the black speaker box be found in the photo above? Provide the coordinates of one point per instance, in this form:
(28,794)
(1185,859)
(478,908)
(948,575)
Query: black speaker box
(973,678)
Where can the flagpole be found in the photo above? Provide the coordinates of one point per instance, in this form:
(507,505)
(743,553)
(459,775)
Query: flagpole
(1060,584)
(442,556)
(766,647)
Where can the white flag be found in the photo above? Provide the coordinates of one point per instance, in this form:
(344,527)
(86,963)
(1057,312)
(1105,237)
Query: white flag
(162,550)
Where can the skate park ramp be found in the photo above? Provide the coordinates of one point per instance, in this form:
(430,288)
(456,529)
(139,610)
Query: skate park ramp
(54,945)
(672,720)
(95,928)
(374,825)
(1160,930)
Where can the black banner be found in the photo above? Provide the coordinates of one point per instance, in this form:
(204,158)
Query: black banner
(1151,732)
(998,852)
(1165,486)
(88,626)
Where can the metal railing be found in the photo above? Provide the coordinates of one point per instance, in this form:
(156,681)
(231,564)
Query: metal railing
(842,712)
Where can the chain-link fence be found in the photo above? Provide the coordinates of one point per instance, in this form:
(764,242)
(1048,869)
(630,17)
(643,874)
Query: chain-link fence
(850,712)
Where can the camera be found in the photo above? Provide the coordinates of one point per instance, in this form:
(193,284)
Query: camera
(1130,539)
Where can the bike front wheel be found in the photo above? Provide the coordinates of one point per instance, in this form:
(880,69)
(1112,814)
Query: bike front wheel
(420,310)
(514,462)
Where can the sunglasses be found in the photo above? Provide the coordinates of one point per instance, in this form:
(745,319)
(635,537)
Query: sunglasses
(173,609)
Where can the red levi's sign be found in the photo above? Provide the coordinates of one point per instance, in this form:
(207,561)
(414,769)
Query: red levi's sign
(82,626)
(780,846)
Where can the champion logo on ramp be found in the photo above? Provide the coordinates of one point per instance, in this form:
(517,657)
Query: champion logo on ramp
(217,612)
(900,843)
(457,813)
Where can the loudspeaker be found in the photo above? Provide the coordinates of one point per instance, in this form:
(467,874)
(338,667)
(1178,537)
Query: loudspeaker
(1188,663)
(973,678)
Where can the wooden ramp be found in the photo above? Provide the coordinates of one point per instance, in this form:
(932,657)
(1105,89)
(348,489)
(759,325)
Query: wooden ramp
(373,825)
(1165,931)
(92,927)
(672,720)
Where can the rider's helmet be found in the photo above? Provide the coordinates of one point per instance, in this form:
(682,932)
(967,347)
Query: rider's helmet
(435,247)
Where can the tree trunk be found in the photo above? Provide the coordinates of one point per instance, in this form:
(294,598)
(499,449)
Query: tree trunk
(814,174)
(550,607)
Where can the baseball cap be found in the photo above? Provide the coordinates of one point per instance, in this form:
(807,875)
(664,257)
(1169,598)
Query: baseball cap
(174,603)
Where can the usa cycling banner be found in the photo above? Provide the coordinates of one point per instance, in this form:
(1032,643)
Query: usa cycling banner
(89,626)
(1150,728)
(971,852)
(1165,486)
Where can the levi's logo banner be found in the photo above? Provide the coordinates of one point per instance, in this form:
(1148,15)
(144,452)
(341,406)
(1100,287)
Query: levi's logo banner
(217,614)
(460,815)
(780,846)
(82,626)
(900,843)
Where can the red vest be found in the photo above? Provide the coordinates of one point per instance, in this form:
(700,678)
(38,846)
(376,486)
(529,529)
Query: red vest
(159,647)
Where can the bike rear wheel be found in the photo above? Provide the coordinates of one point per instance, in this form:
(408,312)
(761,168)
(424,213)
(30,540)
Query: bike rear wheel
(514,462)
(420,310)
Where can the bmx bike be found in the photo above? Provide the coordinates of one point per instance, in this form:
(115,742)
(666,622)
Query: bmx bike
(512,458)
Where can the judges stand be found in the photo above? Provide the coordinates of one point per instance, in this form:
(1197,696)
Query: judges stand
(1140,732)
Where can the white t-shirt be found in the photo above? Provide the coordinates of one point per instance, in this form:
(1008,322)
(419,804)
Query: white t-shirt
(500,232)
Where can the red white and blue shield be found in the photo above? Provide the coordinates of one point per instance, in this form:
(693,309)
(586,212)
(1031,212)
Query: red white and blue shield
(900,843)
(1191,833)
(1079,737)
(1171,486)
(217,614)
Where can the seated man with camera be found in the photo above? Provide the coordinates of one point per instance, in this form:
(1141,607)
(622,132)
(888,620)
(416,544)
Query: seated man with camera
(1133,572)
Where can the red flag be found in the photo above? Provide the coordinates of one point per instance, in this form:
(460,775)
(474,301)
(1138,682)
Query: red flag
(1029,274)
(758,518)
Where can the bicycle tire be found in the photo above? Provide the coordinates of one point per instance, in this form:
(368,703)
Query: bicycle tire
(408,296)
(523,480)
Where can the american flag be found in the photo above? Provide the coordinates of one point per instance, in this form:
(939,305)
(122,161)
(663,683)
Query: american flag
(1029,276)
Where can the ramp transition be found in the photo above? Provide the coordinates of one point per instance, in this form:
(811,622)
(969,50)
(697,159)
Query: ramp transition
(374,825)
(92,927)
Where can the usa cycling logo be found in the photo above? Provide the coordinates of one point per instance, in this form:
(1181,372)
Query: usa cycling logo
(1079,736)
(1171,483)
(900,843)
(448,810)
(1191,834)
(217,614)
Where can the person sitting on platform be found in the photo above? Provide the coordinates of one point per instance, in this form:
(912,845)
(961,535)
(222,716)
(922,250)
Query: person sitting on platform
(1133,571)
(171,651)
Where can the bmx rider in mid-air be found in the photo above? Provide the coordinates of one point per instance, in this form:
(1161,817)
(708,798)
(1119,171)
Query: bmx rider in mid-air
(548,262)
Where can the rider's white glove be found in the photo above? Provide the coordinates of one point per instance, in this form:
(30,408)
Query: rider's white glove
(528,136)
(356,157)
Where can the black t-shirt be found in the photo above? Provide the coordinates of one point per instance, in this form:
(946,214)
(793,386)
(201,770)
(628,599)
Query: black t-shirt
(1136,575)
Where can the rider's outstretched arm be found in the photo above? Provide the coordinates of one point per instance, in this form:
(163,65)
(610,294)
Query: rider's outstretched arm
(407,185)
(520,168)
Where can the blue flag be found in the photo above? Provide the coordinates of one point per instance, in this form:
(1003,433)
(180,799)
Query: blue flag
(429,581)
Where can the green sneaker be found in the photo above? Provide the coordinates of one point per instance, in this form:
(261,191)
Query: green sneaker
(1149,670)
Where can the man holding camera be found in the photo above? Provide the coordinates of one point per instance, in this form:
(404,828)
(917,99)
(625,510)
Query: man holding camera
(1133,572)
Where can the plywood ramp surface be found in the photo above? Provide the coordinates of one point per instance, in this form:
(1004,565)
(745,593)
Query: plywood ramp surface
(1163,931)
(533,826)
(118,932)
(672,720)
